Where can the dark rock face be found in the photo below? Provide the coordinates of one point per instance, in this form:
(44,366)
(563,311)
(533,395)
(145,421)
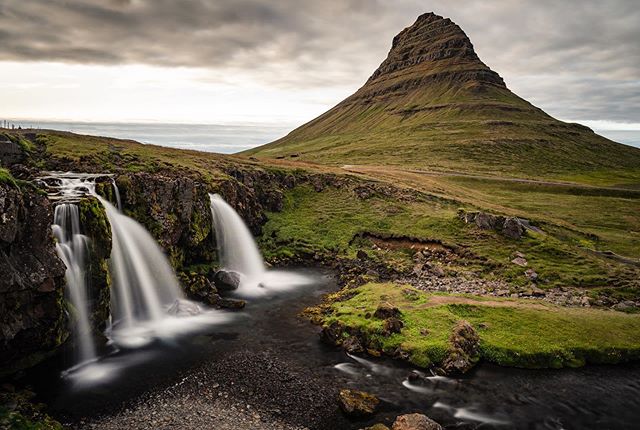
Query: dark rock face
(175,209)
(32,320)
(95,225)
(464,351)
(227,280)
(10,152)
(357,404)
(415,422)
(430,40)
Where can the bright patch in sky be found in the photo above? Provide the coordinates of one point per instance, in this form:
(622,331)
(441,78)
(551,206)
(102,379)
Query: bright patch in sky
(57,91)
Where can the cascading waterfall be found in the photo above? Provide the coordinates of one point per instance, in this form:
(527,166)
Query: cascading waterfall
(144,285)
(116,191)
(237,248)
(146,300)
(239,252)
(72,249)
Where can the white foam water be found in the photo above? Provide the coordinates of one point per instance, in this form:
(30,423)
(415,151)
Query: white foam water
(239,252)
(72,249)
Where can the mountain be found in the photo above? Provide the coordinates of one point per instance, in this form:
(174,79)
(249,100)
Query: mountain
(434,104)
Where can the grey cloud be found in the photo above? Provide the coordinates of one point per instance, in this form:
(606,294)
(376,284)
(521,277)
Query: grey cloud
(579,59)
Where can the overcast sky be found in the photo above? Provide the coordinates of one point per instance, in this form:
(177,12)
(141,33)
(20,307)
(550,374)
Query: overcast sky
(286,61)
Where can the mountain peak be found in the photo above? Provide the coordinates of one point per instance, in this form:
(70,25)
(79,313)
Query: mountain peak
(434,45)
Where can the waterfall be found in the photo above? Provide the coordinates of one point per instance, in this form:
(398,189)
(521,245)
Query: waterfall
(143,284)
(238,252)
(237,248)
(72,249)
(117,193)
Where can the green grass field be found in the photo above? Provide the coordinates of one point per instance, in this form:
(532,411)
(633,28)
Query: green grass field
(513,332)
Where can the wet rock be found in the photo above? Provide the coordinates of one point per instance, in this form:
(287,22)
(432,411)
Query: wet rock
(386,310)
(184,308)
(520,261)
(227,280)
(332,333)
(415,422)
(227,303)
(357,404)
(378,426)
(463,353)
(352,345)
(392,325)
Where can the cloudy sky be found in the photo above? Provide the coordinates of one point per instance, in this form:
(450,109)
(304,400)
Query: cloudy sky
(286,61)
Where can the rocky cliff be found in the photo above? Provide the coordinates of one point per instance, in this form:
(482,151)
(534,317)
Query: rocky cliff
(32,316)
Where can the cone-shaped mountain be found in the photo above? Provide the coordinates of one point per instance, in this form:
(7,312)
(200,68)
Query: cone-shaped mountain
(433,103)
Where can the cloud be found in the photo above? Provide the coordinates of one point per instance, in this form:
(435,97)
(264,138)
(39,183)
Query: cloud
(577,59)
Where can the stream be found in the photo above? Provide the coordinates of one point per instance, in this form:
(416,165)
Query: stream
(490,397)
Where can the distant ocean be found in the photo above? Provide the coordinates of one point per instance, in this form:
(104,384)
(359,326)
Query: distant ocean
(225,139)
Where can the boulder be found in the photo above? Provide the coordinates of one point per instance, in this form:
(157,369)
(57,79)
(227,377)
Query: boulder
(520,261)
(386,310)
(184,308)
(513,228)
(415,422)
(357,404)
(392,325)
(463,353)
(227,280)
(227,303)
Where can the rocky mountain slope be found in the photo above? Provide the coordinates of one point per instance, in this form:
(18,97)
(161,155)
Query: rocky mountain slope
(433,103)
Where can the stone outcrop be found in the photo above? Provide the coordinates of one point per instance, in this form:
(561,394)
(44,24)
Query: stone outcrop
(464,350)
(32,318)
(357,404)
(512,227)
(415,422)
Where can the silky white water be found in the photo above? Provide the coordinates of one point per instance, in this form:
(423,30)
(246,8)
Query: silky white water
(72,249)
(236,247)
(146,300)
(238,251)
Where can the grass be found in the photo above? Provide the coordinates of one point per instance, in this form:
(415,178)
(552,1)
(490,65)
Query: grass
(327,222)
(520,333)
(6,177)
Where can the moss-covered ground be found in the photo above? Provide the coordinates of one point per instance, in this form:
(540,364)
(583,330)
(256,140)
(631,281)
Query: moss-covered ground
(326,222)
(513,332)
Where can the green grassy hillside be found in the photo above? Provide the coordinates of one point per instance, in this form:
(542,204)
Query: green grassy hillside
(432,104)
